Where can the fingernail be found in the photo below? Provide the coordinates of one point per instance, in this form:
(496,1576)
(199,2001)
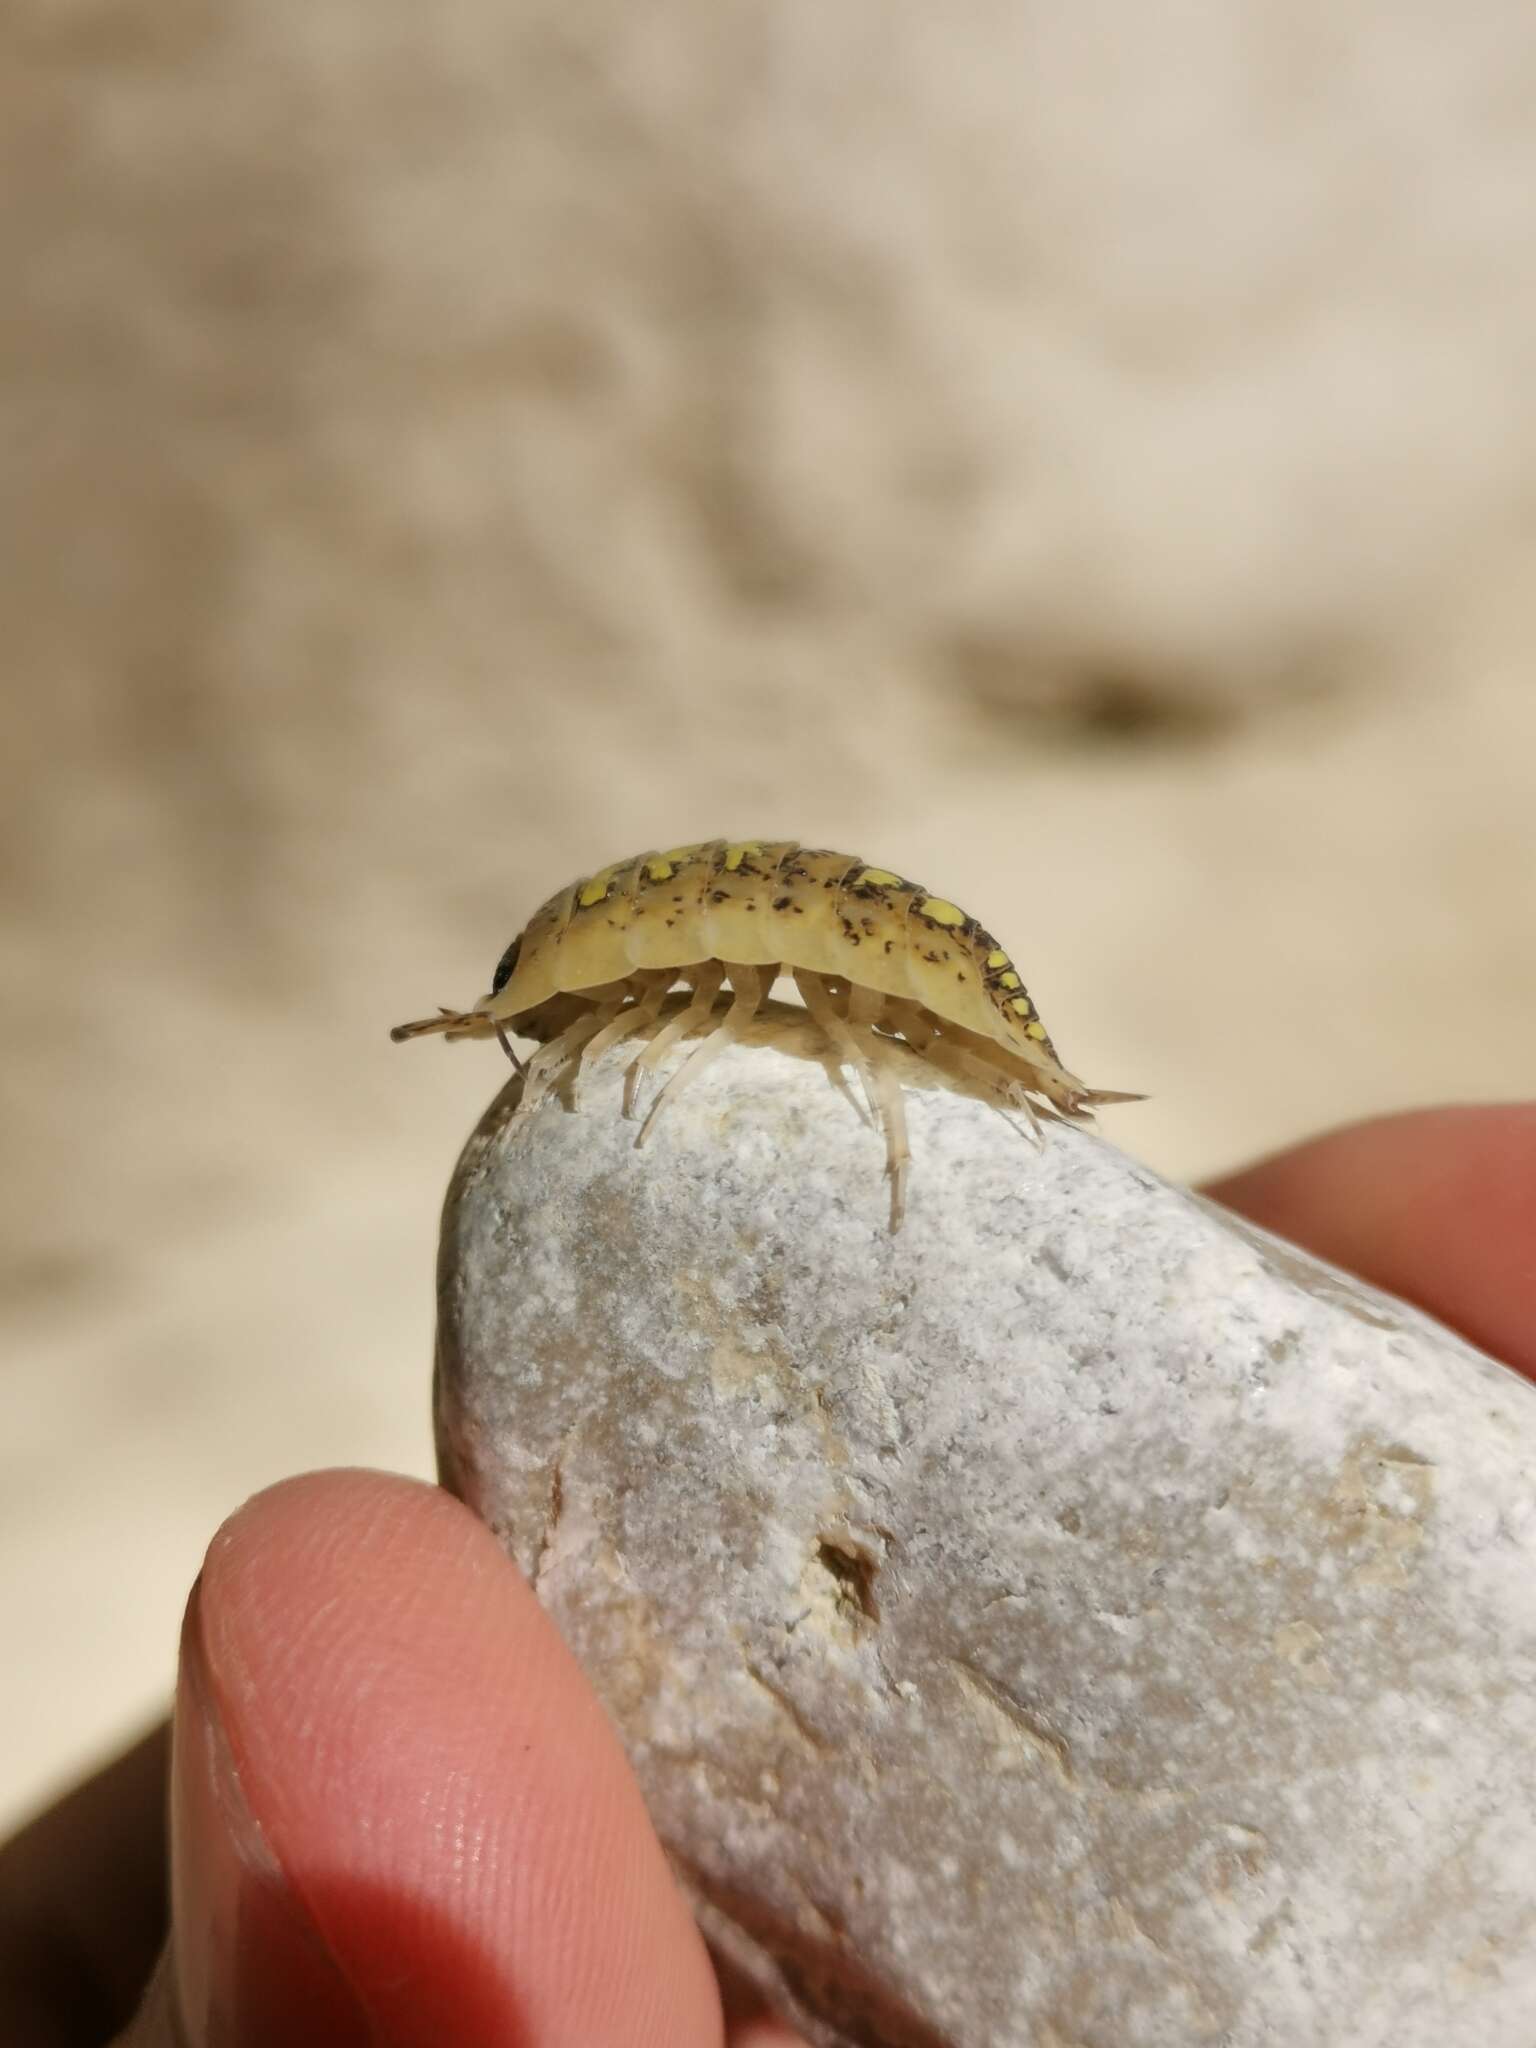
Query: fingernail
(251,1967)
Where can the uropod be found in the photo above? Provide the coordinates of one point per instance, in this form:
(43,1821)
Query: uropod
(886,970)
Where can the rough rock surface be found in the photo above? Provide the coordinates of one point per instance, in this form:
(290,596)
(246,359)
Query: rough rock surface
(1078,1622)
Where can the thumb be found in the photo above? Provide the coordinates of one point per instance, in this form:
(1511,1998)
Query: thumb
(399,1815)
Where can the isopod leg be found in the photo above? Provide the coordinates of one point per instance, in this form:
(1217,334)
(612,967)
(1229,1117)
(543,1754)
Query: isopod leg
(633,1017)
(866,1008)
(964,1065)
(912,1021)
(706,986)
(1034,1137)
(1006,1094)
(549,1059)
(748,987)
(832,1067)
(813,993)
(1022,1099)
(961,1065)
(893,1115)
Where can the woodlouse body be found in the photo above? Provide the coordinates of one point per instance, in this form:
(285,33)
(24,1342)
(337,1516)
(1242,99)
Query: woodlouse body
(875,958)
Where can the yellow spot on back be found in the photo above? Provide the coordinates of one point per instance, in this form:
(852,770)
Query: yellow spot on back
(1022,1004)
(1009,980)
(939,912)
(734,855)
(876,878)
(997,959)
(659,870)
(1035,1030)
(595,890)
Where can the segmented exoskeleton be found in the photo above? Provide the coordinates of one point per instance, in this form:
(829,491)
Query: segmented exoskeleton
(875,958)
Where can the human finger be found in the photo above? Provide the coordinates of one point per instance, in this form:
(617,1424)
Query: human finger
(400,1814)
(1437,1205)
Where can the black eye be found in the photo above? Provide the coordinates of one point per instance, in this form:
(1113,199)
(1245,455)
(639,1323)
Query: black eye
(506,966)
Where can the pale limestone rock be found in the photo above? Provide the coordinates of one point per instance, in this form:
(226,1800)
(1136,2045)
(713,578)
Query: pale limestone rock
(1079,1621)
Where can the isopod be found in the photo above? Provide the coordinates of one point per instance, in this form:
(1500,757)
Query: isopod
(645,949)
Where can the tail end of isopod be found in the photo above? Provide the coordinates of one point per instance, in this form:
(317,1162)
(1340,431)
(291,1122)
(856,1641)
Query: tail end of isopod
(1094,1098)
(1082,1102)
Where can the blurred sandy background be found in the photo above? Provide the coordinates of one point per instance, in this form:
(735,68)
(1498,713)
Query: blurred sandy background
(1083,456)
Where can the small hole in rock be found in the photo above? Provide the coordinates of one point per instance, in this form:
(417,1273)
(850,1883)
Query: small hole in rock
(855,1572)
